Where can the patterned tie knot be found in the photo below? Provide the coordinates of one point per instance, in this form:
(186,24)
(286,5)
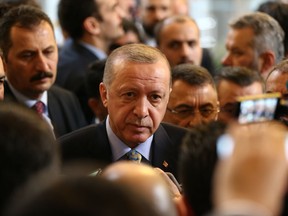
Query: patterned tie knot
(135,156)
(39,107)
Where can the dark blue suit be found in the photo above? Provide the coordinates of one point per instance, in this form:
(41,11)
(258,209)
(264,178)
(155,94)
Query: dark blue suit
(73,63)
(63,107)
(92,143)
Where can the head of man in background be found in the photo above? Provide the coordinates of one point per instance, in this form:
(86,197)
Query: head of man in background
(178,37)
(233,82)
(29,49)
(193,99)
(254,41)
(277,79)
(95,22)
(151,12)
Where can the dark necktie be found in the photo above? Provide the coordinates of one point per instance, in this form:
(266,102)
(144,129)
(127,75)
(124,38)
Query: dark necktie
(39,107)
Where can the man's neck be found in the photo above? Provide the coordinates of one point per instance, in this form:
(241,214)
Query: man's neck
(96,42)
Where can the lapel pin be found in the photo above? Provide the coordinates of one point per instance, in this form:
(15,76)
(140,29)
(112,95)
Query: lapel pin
(165,164)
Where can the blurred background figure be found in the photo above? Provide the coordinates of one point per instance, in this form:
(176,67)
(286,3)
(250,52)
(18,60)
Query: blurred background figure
(233,82)
(129,8)
(131,35)
(28,153)
(193,99)
(178,37)
(151,12)
(180,7)
(254,41)
(279,11)
(93,78)
(90,35)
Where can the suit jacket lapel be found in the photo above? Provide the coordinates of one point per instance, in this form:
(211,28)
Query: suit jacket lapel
(162,151)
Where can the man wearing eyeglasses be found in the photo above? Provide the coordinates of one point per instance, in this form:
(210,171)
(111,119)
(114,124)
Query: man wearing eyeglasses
(193,99)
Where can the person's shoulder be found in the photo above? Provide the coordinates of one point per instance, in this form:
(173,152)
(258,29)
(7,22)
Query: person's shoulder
(61,92)
(173,131)
(173,128)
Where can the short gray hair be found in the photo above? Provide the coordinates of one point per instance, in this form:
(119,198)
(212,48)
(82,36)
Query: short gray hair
(139,53)
(268,33)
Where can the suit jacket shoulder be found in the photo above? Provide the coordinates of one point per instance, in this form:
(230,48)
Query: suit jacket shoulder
(90,142)
(64,111)
(73,62)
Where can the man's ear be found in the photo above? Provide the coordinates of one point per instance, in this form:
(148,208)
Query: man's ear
(267,61)
(91,25)
(103,94)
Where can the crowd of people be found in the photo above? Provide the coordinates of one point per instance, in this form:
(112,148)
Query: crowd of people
(130,116)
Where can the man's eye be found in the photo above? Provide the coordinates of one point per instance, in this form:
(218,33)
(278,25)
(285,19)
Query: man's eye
(174,45)
(26,55)
(155,97)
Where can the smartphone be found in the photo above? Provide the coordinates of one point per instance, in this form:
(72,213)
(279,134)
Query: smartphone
(258,108)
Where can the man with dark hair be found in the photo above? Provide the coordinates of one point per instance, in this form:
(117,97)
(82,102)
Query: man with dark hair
(27,148)
(233,82)
(193,99)
(93,78)
(150,13)
(198,159)
(178,37)
(254,41)
(30,60)
(91,26)
(135,90)
(279,11)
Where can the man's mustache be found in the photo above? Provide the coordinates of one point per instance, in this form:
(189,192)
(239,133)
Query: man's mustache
(41,75)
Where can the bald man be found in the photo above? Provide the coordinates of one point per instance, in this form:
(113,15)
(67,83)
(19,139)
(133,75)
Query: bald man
(146,181)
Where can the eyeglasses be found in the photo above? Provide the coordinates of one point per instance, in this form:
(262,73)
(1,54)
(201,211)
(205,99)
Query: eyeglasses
(205,112)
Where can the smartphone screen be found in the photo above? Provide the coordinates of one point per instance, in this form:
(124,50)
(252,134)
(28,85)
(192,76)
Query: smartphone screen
(257,108)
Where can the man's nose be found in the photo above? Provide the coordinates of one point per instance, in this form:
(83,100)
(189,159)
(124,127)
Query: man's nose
(196,119)
(226,60)
(141,108)
(42,63)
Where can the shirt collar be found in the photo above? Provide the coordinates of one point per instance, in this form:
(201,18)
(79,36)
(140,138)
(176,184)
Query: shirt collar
(119,148)
(27,101)
(97,52)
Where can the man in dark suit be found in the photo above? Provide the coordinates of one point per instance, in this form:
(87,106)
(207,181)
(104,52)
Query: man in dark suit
(90,34)
(135,89)
(30,59)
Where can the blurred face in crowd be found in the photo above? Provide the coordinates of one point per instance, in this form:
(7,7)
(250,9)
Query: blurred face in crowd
(137,99)
(239,49)
(153,11)
(111,23)
(128,7)
(228,92)
(32,59)
(191,105)
(2,77)
(180,42)
(277,82)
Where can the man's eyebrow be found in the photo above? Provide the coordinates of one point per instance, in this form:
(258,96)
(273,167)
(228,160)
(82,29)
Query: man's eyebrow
(2,77)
